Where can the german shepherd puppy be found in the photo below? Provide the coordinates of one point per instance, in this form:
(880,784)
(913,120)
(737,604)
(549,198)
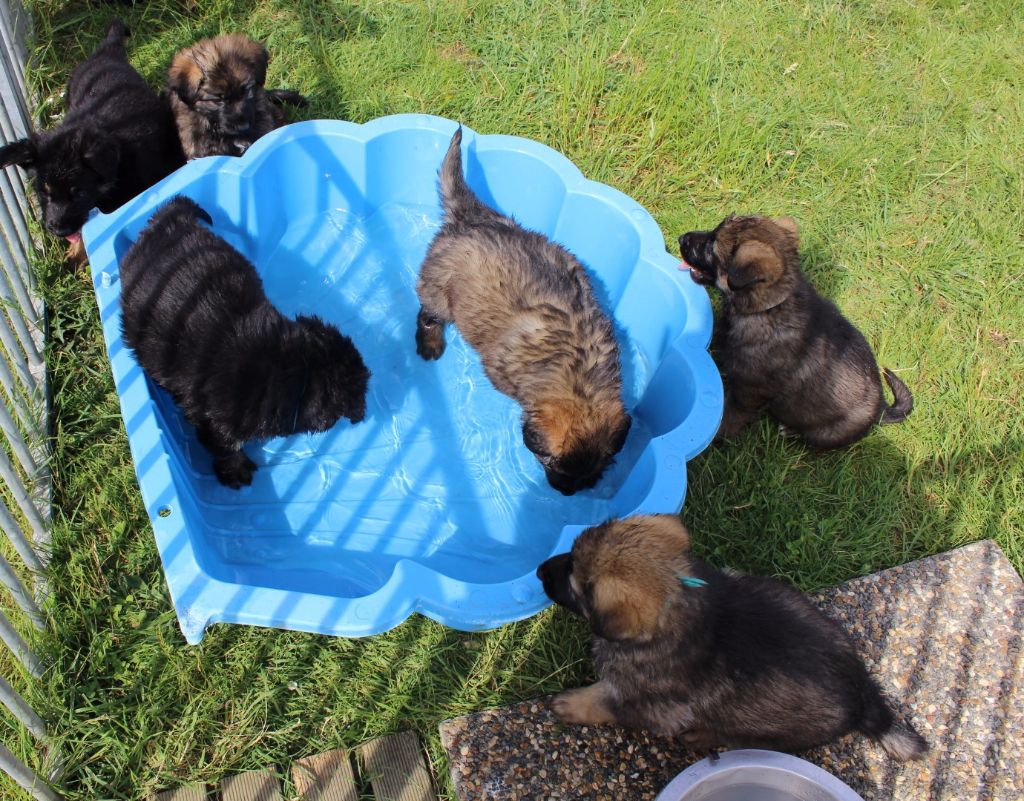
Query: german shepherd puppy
(116,140)
(526,305)
(217,95)
(196,316)
(720,659)
(786,349)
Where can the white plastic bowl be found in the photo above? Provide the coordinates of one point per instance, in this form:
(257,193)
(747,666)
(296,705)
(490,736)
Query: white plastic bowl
(754,775)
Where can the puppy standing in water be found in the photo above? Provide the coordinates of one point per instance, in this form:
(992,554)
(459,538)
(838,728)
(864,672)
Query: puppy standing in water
(719,659)
(196,316)
(116,140)
(216,92)
(787,349)
(525,304)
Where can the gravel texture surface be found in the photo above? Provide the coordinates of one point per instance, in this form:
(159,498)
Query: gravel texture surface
(942,635)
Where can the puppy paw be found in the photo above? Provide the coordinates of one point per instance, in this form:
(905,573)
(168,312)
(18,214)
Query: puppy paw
(585,706)
(787,432)
(234,471)
(430,342)
(357,412)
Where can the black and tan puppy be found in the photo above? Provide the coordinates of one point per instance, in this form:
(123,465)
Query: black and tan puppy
(116,140)
(216,91)
(786,349)
(196,316)
(526,305)
(719,659)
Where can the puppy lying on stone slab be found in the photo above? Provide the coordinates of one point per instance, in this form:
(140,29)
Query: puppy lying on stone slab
(717,658)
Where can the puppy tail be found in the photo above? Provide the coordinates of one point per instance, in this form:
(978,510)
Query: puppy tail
(457,198)
(116,33)
(187,206)
(279,96)
(904,743)
(903,401)
(900,740)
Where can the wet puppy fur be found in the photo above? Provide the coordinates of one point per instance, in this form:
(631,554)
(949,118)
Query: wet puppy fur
(116,140)
(216,91)
(195,314)
(719,659)
(786,349)
(526,305)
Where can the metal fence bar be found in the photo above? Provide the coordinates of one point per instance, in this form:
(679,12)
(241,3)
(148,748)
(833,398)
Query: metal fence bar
(15,261)
(18,446)
(21,496)
(12,347)
(13,53)
(18,540)
(25,777)
(16,398)
(19,707)
(19,647)
(21,596)
(16,204)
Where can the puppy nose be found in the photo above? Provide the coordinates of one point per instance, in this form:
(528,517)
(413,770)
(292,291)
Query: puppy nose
(686,241)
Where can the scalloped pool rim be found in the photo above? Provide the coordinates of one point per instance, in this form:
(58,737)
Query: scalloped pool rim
(201,600)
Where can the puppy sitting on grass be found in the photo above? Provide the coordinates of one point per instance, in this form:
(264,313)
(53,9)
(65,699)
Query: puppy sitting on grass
(719,659)
(196,316)
(525,304)
(787,349)
(216,91)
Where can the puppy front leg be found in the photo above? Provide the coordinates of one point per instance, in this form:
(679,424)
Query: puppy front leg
(230,464)
(735,416)
(586,705)
(429,335)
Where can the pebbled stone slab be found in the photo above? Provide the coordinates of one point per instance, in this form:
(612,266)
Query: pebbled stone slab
(942,635)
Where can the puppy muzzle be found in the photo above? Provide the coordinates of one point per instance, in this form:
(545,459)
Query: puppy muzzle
(695,248)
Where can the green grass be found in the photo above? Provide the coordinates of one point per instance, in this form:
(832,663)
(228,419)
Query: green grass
(894,131)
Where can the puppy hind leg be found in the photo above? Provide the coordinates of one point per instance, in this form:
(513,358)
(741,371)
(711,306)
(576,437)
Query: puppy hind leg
(230,464)
(585,706)
(430,342)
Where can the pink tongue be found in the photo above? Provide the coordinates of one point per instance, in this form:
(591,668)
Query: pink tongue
(684,266)
(74,238)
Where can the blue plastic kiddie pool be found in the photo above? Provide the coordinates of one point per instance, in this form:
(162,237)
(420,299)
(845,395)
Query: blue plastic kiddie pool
(432,504)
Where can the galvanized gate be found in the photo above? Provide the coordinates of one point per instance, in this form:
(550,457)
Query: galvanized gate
(24,494)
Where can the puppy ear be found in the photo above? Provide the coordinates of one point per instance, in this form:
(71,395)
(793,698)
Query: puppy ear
(753,262)
(622,610)
(184,76)
(789,225)
(552,421)
(533,439)
(23,153)
(101,153)
(259,58)
(619,439)
(670,530)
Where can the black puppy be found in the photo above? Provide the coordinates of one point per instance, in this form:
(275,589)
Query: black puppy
(786,349)
(717,658)
(196,316)
(117,139)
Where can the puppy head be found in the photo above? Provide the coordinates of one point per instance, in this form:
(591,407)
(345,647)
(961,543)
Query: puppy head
(574,441)
(748,257)
(221,79)
(620,575)
(73,169)
(331,376)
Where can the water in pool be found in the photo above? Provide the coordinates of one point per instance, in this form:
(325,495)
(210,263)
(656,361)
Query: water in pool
(436,472)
